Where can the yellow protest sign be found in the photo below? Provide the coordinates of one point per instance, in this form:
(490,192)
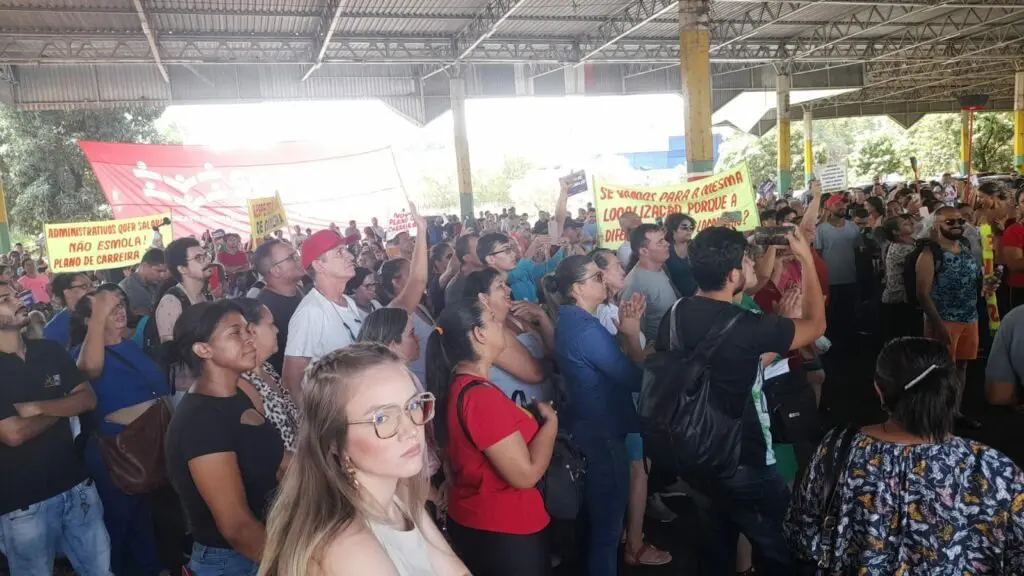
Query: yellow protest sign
(265,216)
(988,258)
(705,200)
(82,246)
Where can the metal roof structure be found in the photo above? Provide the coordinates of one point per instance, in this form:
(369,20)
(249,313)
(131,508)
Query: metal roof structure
(899,58)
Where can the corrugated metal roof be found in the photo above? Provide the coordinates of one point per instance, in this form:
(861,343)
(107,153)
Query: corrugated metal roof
(195,23)
(399,26)
(569,8)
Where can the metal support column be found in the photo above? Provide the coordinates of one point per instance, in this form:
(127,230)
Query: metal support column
(965,142)
(785,176)
(457,86)
(808,146)
(1018,122)
(695,68)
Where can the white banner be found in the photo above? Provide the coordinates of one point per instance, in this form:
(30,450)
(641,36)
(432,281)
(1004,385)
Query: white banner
(832,177)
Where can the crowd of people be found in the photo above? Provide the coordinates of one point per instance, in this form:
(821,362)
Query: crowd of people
(336,403)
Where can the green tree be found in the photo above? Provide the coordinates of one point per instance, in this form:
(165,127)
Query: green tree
(876,156)
(993,142)
(761,154)
(439,194)
(47,177)
(935,141)
(495,188)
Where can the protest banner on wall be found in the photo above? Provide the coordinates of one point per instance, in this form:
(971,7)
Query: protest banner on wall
(81,246)
(704,200)
(265,216)
(832,178)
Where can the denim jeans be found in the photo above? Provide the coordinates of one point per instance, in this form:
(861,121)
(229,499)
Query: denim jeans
(71,522)
(752,501)
(606,491)
(210,561)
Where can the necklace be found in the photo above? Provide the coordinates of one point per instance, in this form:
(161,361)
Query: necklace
(355,316)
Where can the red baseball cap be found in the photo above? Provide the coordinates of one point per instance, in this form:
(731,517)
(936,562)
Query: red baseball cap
(319,244)
(833,200)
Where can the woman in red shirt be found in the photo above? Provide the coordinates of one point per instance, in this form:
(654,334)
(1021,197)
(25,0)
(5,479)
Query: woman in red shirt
(496,452)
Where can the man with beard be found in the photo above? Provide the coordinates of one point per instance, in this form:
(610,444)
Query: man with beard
(47,501)
(837,241)
(947,288)
(754,499)
(190,266)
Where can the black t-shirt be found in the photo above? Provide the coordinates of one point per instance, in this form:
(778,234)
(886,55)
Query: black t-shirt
(209,425)
(735,365)
(283,307)
(453,291)
(48,464)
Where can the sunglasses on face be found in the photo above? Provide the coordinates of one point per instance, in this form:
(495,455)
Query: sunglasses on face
(954,222)
(387,420)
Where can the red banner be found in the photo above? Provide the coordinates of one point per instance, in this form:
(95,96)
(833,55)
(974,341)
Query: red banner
(206,189)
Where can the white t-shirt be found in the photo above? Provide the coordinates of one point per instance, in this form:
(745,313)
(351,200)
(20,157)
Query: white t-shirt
(607,315)
(320,326)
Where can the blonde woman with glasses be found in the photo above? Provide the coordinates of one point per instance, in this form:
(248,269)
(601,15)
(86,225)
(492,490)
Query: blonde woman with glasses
(352,502)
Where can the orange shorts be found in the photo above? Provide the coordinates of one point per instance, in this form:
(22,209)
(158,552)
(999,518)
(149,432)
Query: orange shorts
(963,339)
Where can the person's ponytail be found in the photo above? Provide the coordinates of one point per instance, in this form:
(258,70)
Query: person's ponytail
(449,344)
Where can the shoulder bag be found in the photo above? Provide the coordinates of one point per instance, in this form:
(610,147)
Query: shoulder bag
(561,486)
(836,460)
(135,456)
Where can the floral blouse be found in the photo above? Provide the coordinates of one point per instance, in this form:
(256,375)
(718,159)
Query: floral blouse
(931,509)
(277,405)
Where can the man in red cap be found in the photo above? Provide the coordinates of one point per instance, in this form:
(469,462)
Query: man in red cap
(837,241)
(326,319)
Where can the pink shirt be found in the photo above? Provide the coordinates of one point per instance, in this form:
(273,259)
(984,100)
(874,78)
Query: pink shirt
(37,286)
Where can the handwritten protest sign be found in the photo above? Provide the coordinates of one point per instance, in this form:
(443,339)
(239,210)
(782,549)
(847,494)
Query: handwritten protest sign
(81,246)
(400,222)
(704,200)
(266,215)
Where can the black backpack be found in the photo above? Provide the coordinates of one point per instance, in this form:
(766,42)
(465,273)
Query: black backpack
(684,430)
(910,267)
(561,486)
(151,335)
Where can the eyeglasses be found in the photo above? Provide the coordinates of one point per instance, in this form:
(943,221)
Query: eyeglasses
(387,419)
(294,257)
(201,258)
(505,250)
(79,286)
(954,222)
(599,276)
(370,284)
(686,227)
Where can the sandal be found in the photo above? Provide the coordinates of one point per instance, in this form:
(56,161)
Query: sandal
(647,555)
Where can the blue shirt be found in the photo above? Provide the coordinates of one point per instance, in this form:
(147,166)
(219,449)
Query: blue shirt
(122,385)
(599,378)
(522,280)
(58,329)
